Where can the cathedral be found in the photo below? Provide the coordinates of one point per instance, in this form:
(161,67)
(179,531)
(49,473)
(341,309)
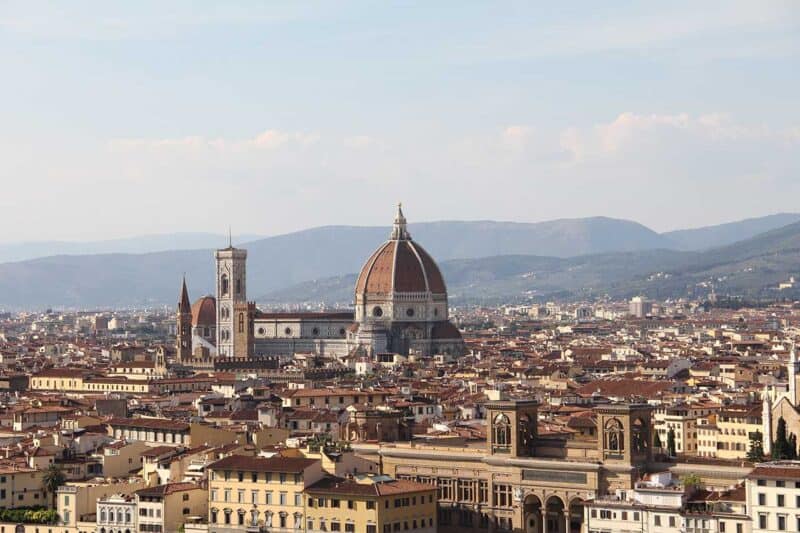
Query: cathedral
(400,307)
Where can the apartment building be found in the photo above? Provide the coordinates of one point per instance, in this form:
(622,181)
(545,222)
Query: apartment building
(370,504)
(165,508)
(257,491)
(21,487)
(773,496)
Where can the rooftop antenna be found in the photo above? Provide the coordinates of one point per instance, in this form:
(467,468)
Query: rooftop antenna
(230,238)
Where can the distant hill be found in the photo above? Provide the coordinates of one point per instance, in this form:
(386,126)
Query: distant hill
(22,251)
(722,234)
(284,260)
(568,258)
(752,267)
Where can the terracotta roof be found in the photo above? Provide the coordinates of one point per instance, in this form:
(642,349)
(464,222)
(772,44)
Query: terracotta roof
(400,266)
(350,487)
(149,423)
(248,463)
(169,488)
(204,312)
(777,470)
(445,330)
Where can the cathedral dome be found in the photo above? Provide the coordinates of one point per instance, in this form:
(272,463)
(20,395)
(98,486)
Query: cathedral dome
(400,266)
(204,312)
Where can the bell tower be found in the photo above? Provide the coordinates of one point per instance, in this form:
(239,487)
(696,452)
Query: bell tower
(184,325)
(231,293)
(512,427)
(624,440)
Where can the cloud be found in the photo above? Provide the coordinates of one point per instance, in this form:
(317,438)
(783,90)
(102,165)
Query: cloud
(268,140)
(651,134)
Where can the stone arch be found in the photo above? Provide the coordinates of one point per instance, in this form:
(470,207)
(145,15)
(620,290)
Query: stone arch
(614,435)
(640,435)
(501,431)
(224,284)
(532,513)
(575,515)
(555,514)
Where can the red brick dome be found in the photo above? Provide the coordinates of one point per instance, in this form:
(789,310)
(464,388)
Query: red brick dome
(400,265)
(204,312)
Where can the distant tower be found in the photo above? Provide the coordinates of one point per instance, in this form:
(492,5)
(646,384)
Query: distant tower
(766,420)
(231,295)
(184,332)
(793,374)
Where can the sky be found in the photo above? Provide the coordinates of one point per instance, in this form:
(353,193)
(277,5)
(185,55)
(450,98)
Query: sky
(128,118)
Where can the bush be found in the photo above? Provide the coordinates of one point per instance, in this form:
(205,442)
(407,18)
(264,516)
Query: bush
(29,515)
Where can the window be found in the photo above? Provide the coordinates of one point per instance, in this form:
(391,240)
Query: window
(781,500)
(268,497)
(657,520)
(781,522)
(370,504)
(762,499)
(282,498)
(254,477)
(335,503)
(671,521)
(780,483)
(762,521)
(761,482)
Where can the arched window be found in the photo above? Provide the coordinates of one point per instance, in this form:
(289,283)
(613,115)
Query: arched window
(223,284)
(238,286)
(639,437)
(241,322)
(615,439)
(501,430)
(526,430)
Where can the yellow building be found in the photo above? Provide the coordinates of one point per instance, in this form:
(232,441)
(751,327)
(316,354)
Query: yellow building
(165,508)
(257,491)
(370,504)
(735,426)
(21,487)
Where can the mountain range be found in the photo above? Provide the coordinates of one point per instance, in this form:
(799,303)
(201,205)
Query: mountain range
(481,260)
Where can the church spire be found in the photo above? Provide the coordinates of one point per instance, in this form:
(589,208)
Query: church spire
(792,368)
(183,305)
(399,230)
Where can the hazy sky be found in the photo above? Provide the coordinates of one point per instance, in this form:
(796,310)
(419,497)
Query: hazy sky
(154,117)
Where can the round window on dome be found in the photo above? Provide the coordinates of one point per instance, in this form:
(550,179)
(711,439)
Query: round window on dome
(342,332)
(377,311)
(315,331)
(409,312)
(261,331)
(288,331)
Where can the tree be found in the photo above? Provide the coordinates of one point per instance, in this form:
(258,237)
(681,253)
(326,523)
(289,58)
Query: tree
(780,448)
(792,446)
(756,451)
(53,478)
(671,442)
(657,441)
(692,480)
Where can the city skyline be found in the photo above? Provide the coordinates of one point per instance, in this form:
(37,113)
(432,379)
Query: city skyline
(276,118)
